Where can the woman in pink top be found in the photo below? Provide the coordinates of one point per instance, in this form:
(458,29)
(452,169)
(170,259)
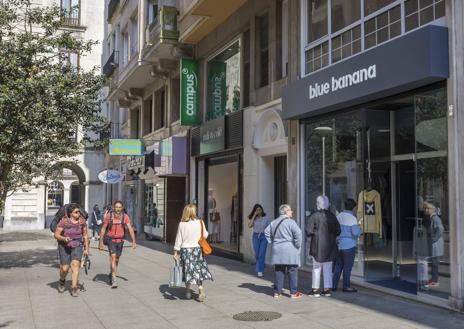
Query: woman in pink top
(72,236)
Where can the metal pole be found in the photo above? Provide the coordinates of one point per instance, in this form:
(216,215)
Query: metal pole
(323,165)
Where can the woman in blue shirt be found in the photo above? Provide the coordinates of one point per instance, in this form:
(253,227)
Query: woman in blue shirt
(347,245)
(259,221)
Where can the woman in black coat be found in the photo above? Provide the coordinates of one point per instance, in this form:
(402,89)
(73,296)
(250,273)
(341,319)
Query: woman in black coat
(322,228)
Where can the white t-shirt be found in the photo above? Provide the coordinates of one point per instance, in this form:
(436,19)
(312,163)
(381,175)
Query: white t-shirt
(188,234)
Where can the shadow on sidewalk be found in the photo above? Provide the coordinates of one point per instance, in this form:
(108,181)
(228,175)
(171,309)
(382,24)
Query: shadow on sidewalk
(6,324)
(265,290)
(29,258)
(172,293)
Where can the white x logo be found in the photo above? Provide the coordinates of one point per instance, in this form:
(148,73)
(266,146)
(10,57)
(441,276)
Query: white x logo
(370,208)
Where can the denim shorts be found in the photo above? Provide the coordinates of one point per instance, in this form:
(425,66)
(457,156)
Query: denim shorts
(69,254)
(115,247)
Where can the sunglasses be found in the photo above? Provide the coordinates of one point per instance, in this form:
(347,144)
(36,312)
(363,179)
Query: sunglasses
(76,212)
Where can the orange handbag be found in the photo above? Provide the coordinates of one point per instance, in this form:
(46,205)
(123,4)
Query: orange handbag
(204,245)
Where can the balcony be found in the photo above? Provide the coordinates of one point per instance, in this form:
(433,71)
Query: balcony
(200,17)
(112,5)
(111,63)
(161,34)
(71,20)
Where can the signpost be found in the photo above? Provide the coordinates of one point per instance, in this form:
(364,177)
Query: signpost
(189,92)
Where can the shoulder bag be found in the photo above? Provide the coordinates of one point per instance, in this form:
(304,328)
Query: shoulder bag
(275,230)
(204,245)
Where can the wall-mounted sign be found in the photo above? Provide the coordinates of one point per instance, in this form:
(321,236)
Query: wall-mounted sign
(217,90)
(110,176)
(371,75)
(188,92)
(212,136)
(171,156)
(168,22)
(135,162)
(126,147)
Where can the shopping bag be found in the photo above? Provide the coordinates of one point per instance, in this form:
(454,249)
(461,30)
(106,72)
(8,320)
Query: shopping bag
(175,279)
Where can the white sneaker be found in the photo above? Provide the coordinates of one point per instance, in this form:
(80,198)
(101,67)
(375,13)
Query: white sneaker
(260,274)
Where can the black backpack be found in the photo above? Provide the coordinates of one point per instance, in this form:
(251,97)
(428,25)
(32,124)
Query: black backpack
(107,238)
(64,211)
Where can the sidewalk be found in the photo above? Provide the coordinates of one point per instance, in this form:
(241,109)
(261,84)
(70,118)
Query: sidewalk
(29,299)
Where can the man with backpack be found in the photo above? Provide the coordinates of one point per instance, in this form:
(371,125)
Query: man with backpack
(71,234)
(112,235)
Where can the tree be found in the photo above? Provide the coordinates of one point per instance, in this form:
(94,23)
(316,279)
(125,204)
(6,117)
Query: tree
(44,99)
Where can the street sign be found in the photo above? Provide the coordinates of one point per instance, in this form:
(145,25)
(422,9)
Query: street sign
(188,92)
(126,147)
(110,176)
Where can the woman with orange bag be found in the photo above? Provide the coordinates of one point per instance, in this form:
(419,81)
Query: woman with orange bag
(187,250)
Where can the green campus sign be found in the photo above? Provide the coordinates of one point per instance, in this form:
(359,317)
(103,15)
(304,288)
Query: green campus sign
(189,92)
(217,90)
(126,147)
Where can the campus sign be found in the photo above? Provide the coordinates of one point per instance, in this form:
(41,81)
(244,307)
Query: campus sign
(189,92)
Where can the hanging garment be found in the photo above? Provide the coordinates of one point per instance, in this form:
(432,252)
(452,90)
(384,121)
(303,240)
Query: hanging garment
(370,211)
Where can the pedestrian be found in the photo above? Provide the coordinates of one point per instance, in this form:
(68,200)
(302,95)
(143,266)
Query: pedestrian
(438,244)
(115,222)
(285,236)
(72,236)
(96,222)
(187,251)
(347,246)
(259,221)
(322,229)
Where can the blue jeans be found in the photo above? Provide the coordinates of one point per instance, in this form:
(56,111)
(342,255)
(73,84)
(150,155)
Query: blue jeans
(260,246)
(280,271)
(344,262)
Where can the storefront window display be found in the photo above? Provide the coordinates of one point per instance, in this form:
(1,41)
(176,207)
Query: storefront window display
(223,82)
(391,158)
(154,208)
(222,204)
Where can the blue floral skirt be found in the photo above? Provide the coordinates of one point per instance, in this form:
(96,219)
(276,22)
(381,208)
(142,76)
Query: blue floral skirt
(194,267)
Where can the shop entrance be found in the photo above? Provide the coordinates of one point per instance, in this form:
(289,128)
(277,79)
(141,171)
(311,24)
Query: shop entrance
(389,247)
(222,208)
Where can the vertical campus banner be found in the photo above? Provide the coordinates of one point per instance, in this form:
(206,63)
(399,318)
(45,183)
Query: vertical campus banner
(217,90)
(189,92)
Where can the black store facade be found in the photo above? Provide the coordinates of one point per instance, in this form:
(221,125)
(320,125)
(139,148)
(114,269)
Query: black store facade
(217,150)
(374,128)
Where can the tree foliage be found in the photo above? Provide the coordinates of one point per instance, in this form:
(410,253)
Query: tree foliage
(43,98)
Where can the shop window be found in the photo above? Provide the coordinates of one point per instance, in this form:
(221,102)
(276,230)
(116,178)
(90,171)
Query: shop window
(346,44)
(71,12)
(382,27)
(420,12)
(317,57)
(344,13)
(371,6)
(154,204)
(222,204)
(223,83)
(318,20)
(262,50)
(55,194)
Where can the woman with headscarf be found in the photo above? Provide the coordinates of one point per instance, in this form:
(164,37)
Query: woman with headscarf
(322,229)
(96,222)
